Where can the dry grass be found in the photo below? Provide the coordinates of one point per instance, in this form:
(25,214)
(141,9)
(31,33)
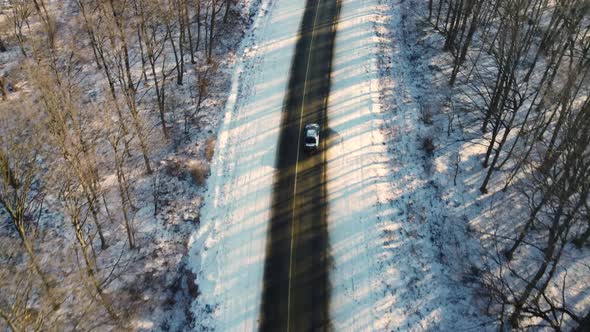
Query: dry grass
(209,149)
(198,171)
(173,168)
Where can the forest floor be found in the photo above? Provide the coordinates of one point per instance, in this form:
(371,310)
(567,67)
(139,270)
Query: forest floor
(463,229)
(153,283)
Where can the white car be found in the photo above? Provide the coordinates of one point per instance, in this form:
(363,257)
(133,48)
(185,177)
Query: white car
(311,141)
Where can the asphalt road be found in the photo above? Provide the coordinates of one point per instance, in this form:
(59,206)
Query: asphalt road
(296,291)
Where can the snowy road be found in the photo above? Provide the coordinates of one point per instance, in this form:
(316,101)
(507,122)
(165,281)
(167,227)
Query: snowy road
(296,287)
(367,260)
(228,251)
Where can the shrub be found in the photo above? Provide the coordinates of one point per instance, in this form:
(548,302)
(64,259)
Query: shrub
(198,172)
(209,149)
(426,115)
(173,168)
(428,145)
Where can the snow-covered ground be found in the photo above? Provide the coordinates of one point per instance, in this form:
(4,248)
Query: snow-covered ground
(394,264)
(227,253)
(391,255)
(407,226)
(358,172)
(152,283)
(459,240)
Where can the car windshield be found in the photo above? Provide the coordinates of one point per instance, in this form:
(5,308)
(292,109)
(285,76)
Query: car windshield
(309,140)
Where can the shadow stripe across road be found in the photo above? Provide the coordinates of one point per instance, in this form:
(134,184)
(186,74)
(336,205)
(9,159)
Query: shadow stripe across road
(296,291)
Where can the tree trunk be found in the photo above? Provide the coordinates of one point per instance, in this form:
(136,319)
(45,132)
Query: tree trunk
(90,271)
(483,189)
(123,195)
(466,43)
(179,78)
(189,30)
(212,30)
(547,258)
(198,14)
(227,7)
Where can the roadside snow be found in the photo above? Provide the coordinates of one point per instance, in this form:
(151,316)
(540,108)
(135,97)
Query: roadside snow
(358,171)
(398,259)
(227,253)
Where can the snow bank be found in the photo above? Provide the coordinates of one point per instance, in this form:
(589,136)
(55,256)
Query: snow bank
(358,171)
(392,252)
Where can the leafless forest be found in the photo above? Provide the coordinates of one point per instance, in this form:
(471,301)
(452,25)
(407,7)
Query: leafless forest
(102,102)
(520,70)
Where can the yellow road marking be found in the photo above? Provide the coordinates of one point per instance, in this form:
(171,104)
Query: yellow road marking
(297,164)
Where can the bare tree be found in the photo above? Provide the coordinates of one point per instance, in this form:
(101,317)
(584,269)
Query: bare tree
(533,94)
(74,206)
(21,11)
(19,305)
(114,14)
(188,18)
(150,25)
(69,128)
(21,190)
(48,21)
(212,25)
(115,138)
